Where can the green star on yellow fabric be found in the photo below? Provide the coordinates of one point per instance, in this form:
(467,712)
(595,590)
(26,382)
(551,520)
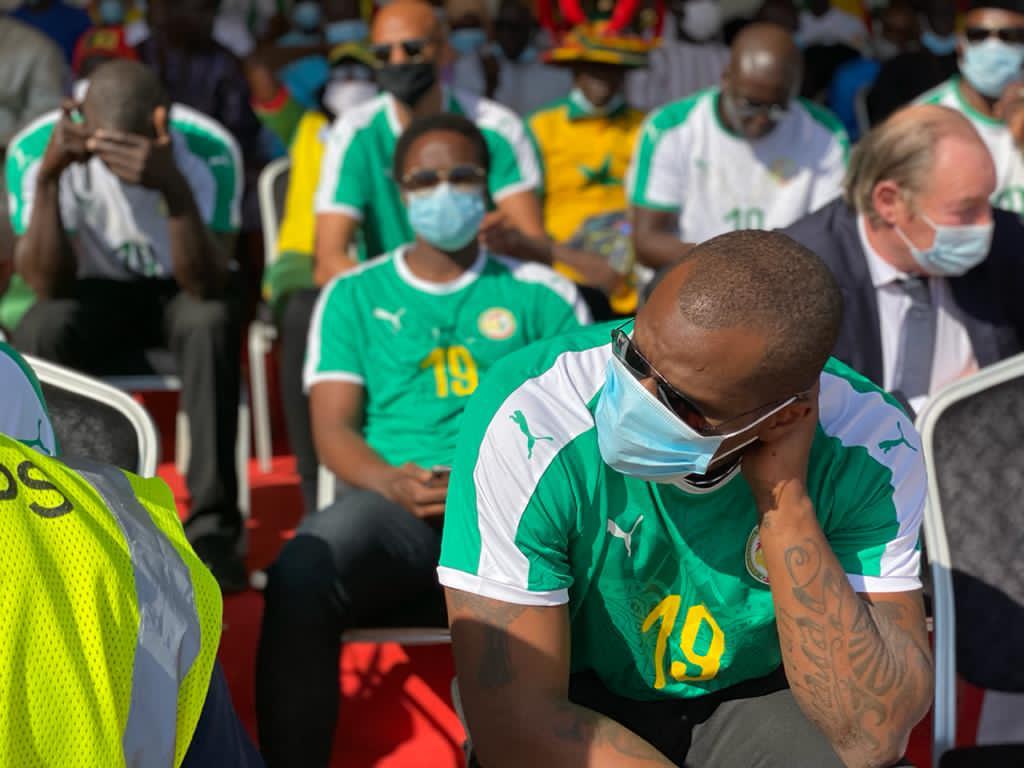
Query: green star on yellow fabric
(600,176)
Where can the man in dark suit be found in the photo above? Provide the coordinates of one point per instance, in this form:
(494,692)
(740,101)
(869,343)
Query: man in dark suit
(932,276)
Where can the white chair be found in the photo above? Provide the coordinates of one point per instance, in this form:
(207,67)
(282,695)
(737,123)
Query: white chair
(92,419)
(273,188)
(972,440)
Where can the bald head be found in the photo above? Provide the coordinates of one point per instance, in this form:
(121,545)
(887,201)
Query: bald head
(122,96)
(761,79)
(767,52)
(405,20)
(750,316)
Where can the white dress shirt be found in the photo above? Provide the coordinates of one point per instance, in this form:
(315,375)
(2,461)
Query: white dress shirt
(954,356)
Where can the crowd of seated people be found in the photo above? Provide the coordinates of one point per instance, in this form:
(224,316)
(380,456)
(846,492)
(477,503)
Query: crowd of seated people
(466,178)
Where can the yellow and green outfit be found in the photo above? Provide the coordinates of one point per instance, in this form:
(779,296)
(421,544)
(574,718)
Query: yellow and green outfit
(584,159)
(111,623)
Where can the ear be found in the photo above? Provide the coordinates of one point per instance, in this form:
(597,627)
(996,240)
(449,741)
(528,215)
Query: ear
(160,123)
(794,416)
(889,201)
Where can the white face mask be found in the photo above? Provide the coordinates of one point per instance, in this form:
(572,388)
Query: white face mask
(955,250)
(702,20)
(342,95)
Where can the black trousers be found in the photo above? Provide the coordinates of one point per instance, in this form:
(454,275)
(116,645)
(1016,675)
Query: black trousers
(106,328)
(294,327)
(361,562)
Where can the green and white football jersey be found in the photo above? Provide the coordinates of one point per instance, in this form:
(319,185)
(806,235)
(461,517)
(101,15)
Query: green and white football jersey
(686,160)
(119,231)
(355,178)
(419,349)
(1008,158)
(666,587)
(23,412)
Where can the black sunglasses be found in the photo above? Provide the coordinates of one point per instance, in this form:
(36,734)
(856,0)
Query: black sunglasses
(421,179)
(413,49)
(1010,35)
(683,407)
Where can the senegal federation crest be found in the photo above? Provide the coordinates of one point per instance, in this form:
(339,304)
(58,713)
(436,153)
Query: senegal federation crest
(755,557)
(497,323)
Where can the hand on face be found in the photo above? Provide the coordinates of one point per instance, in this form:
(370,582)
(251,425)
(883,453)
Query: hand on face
(778,461)
(1010,108)
(138,159)
(68,144)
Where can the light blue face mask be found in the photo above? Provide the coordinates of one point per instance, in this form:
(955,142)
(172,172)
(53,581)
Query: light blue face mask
(111,12)
(467,39)
(955,250)
(639,436)
(940,46)
(577,97)
(991,65)
(306,15)
(447,217)
(347,31)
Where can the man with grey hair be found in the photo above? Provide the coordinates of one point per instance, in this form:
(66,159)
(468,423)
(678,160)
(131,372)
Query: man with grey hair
(747,155)
(931,273)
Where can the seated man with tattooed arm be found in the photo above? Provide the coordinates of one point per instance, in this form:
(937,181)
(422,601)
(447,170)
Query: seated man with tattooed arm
(726,577)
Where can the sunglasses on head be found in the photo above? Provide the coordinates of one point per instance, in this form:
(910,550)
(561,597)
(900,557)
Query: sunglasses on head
(422,179)
(413,49)
(1010,35)
(683,407)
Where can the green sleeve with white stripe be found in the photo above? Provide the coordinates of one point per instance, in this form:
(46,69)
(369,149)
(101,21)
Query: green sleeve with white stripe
(335,335)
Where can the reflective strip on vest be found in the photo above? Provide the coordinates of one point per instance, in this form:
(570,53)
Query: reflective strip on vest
(170,634)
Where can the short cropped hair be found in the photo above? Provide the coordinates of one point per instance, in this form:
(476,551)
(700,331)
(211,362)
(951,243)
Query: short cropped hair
(771,284)
(445,122)
(125,94)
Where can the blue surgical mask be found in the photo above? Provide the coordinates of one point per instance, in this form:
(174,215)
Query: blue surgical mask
(306,15)
(467,39)
(577,97)
(111,12)
(955,250)
(937,44)
(640,437)
(347,31)
(446,217)
(991,65)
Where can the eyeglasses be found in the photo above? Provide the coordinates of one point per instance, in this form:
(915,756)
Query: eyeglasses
(746,109)
(1009,35)
(422,179)
(683,407)
(413,49)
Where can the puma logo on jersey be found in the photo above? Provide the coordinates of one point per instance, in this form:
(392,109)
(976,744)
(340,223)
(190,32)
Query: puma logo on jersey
(627,538)
(38,443)
(395,318)
(531,439)
(887,445)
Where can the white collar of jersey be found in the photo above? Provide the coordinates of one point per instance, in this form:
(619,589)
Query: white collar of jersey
(882,272)
(692,489)
(438,289)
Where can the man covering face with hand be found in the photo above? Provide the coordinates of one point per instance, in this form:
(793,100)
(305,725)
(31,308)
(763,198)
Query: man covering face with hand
(690,539)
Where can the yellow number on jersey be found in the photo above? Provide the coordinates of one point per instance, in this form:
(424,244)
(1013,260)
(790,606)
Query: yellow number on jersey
(454,370)
(708,662)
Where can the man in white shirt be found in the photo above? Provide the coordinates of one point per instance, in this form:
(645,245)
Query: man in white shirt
(931,273)
(990,55)
(127,247)
(748,155)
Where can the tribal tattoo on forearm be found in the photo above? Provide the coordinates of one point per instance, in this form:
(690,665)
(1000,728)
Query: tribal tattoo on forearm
(857,668)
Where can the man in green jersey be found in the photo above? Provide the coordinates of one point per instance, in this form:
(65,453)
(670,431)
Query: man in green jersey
(396,348)
(726,577)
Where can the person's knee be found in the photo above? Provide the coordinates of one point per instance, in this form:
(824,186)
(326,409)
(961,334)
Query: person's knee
(46,329)
(299,583)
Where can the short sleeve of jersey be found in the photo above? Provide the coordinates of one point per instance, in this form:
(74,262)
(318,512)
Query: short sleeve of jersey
(505,532)
(829,175)
(219,185)
(23,413)
(21,168)
(514,164)
(332,352)
(657,174)
(340,188)
(875,490)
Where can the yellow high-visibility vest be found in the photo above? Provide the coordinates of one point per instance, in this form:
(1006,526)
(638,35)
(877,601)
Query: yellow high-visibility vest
(109,623)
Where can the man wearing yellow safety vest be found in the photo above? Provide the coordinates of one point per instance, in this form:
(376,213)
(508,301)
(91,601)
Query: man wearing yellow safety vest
(109,624)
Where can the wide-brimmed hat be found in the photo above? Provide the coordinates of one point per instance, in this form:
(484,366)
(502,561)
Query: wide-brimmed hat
(593,43)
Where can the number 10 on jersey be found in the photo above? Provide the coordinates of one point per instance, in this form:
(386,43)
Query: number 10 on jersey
(708,662)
